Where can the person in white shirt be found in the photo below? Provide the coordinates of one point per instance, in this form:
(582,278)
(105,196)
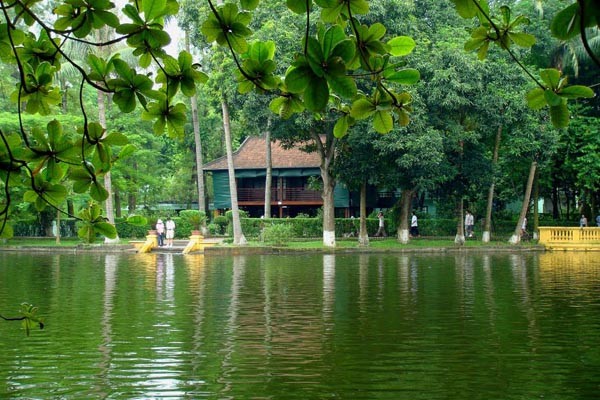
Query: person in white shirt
(170,231)
(414,225)
(469,223)
(381,230)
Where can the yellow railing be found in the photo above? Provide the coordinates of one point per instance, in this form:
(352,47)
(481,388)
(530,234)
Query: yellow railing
(559,237)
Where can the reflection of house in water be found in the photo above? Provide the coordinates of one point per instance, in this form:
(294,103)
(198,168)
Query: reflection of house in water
(293,190)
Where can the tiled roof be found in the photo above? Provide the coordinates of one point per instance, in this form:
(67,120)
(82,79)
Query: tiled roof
(252,155)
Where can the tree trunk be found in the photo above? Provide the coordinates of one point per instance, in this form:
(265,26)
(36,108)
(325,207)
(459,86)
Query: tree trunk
(131,202)
(118,213)
(516,237)
(536,214)
(363,235)
(269,171)
(405,206)
(460,227)
(238,235)
(327,154)
(487,225)
(109,206)
(555,200)
(198,147)
(328,209)
(58,226)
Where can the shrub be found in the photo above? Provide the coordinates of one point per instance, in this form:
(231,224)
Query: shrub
(277,234)
(214,229)
(221,222)
(194,218)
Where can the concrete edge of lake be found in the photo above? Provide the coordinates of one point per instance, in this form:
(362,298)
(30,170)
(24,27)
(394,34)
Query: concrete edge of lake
(228,250)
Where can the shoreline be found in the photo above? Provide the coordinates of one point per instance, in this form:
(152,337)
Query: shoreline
(228,250)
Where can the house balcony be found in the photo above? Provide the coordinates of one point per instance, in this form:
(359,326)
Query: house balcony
(289,195)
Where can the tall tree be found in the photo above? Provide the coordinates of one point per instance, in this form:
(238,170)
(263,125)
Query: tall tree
(331,61)
(238,236)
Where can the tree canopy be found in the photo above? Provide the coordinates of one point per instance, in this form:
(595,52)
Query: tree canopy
(345,64)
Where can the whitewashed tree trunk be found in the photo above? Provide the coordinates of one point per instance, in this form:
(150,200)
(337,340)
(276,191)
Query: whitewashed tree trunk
(269,171)
(327,153)
(516,237)
(238,235)
(363,235)
(459,239)
(403,232)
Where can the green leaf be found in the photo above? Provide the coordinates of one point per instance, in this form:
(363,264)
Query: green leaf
(566,23)
(153,8)
(522,39)
(551,77)
(106,229)
(297,6)
(6,232)
(383,121)
(298,78)
(55,194)
(116,139)
(316,94)
(332,37)
(137,220)
(401,45)
(559,115)
(407,76)
(465,8)
(536,99)
(98,192)
(362,109)
(95,131)
(249,4)
(344,50)
(552,98)
(262,51)
(127,151)
(125,100)
(345,86)
(341,126)
(576,91)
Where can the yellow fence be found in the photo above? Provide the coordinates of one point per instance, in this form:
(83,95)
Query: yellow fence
(570,238)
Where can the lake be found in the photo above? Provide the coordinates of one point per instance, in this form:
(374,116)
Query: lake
(464,325)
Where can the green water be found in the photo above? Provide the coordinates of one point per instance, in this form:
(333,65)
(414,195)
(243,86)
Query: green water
(465,326)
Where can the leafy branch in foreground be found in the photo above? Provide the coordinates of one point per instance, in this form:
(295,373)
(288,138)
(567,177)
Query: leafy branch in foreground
(28,317)
(344,66)
(55,160)
(504,31)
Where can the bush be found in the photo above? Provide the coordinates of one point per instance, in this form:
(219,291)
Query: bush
(277,234)
(193,218)
(214,229)
(221,224)
(125,230)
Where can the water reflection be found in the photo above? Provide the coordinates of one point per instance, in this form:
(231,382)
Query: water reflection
(507,326)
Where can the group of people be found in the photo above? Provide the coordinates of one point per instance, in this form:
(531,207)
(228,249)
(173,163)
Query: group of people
(165,231)
(583,222)
(414,225)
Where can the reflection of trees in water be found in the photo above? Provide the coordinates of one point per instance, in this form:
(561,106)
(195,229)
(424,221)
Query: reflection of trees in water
(111,262)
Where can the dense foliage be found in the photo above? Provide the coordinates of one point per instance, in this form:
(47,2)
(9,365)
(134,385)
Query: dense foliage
(323,64)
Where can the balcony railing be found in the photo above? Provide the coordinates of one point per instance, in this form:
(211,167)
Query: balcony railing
(286,194)
(570,237)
